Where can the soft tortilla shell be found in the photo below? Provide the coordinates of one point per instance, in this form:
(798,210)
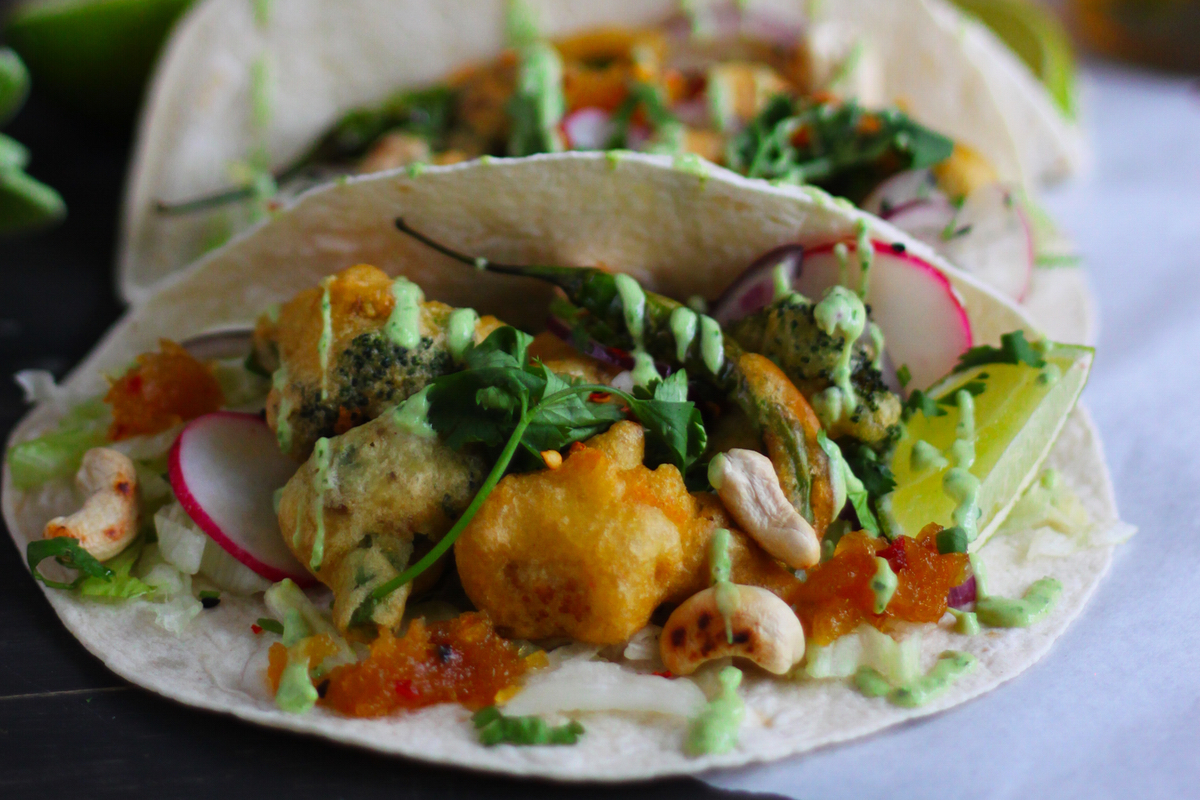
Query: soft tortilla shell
(676,231)
(326,58)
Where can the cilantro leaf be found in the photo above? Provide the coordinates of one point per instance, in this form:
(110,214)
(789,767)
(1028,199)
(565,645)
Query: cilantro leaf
(70,554)
(864,462)
(1013,349)
(918,401)
(973,388)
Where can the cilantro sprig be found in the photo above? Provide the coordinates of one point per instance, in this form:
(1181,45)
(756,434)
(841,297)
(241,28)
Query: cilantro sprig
(501,398)
(1013,349)
(70,554)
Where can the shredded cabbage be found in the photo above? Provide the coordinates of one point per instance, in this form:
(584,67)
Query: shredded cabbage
(585,685)
(897,661)
(191,551)
(172,601)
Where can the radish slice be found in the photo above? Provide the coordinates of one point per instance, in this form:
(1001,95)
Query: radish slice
(225,468)
(924,323)
(588,129)
(755,287)
(903,189)
(993,240)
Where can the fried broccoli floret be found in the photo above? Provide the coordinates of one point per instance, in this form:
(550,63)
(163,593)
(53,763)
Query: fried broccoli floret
(366,505)
(364,370)
(787,333)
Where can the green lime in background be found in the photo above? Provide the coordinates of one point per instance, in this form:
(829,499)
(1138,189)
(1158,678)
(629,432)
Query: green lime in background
(92,55)
(1037,37)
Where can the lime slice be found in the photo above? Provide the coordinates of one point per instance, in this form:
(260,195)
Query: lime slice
(14,84)
(27,204)
(1037,37)
(1018,416)
(93,55)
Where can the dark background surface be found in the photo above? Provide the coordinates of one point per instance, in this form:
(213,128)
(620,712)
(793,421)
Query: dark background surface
(67,725)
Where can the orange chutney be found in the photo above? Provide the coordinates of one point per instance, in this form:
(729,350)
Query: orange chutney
(164,389)
(837,597)
(460,660)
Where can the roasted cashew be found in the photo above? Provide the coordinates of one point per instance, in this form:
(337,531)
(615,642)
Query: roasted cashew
(108,520)
(748,486)
(765,630)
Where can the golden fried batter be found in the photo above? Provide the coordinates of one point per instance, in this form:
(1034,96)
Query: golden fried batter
(382,485)
(590,549)
(365,372)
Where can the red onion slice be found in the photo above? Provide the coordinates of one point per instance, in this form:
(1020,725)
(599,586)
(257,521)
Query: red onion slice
(962,595)
(755,287)
(613,356)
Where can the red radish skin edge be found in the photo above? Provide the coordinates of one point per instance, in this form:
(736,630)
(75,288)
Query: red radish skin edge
(886,249)
(199,516)
(1025,223)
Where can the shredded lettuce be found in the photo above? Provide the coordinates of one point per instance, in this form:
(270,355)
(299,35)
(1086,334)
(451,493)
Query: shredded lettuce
(121,585)
(58,453)
(897,661)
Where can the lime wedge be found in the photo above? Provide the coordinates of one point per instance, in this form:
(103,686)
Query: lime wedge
(93,55)
(14,84)
(1037,37)
(1018,416)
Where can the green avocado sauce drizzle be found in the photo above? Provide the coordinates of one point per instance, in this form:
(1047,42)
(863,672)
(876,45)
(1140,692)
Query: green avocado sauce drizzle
(322,481)
(326,338)
(866,257)
(959,483)
(715,729)
(883,584)
(1001,612)
(283,425)
(712,344)
(726,593)
(413,415)
(841,311)
(965,622)
(460,331)
(403,326)
(925,456)
(683,326)
(783,281)
(950,666)
(633,301)
(296,693)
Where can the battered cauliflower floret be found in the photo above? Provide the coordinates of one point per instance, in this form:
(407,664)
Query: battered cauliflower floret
(385,493)
(365,370)
(590,549)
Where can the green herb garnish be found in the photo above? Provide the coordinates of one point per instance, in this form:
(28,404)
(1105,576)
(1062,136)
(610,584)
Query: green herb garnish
(496,728)
(841,147)
(502,398)
(270,625)
(1013,349)
(70,554)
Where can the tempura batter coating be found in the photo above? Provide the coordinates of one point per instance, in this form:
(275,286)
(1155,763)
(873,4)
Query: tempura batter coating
(384,487)
(590,549)
(366,371)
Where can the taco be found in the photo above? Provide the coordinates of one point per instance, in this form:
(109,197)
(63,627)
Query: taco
(338,492)
(905,107)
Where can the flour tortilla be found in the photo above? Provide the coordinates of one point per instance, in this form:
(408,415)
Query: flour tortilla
(677,232)
(324,58)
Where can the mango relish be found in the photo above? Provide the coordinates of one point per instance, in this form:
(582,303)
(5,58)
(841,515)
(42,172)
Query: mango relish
(161,391)
(460,660)
(837,595)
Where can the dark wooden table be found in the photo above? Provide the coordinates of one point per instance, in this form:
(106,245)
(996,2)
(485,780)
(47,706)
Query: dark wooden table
(67,725)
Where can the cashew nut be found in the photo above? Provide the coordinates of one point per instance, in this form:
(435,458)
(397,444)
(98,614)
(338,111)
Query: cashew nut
(748,486)
(108,520)
(765,630)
